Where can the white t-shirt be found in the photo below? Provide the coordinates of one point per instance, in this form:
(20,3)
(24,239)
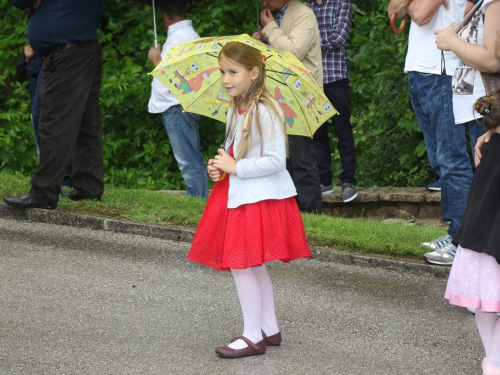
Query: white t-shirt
(467,84)
(423,55)
(161,98)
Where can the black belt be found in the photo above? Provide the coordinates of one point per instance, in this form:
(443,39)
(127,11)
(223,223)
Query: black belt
(65,46)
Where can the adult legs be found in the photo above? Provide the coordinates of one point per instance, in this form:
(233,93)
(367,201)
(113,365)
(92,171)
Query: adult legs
(35,113)
(446,143)
(338,94)
(183,133)
(303,169)
(70,123)
(35,120)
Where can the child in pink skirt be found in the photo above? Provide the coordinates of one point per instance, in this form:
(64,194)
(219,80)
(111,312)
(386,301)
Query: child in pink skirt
(251,216)
(475,275)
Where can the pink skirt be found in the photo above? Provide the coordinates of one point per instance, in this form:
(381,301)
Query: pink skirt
(474,281)
(248,235)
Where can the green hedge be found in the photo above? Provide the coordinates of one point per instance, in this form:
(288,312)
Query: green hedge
(137,153)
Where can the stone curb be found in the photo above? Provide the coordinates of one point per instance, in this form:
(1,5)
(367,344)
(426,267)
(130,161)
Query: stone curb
(186,235)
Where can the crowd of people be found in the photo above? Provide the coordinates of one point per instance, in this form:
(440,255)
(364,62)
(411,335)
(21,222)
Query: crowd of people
(264,178)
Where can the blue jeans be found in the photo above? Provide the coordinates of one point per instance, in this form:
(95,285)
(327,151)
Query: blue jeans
(475,130)
(184,136)
(446,143)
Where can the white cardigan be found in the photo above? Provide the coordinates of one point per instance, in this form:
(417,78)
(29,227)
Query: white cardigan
(260,177)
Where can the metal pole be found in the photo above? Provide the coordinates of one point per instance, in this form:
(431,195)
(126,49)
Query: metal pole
(154,21)
(468,15)
(258,23)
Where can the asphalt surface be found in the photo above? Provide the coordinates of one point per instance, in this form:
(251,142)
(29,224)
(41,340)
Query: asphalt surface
(80,301)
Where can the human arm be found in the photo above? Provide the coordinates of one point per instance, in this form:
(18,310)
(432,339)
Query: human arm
(480,57)
(24,4)
(334,21)
(399,7)
(422,11)
(154,55)
(28,53)
(497,46)
(223,162)
(481,141)
(298,41)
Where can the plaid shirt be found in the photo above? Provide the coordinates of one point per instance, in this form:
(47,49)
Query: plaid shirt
(334,21)
(279,16)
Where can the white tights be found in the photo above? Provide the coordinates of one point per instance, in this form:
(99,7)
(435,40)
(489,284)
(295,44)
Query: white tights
(488,326)
(255,291)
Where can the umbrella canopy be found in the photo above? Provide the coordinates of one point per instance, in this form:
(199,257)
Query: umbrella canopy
(191,73)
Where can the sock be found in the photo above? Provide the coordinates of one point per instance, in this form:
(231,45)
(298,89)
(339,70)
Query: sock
(250,300)
(485,323)
(269,324)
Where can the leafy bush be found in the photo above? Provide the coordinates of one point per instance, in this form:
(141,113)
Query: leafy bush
(137,153)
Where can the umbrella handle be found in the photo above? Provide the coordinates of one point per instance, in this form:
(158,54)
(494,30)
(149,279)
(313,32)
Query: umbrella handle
(401,27)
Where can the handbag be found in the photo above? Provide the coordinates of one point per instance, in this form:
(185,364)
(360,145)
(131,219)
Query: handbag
(491,82)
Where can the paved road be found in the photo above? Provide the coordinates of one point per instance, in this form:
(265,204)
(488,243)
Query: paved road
(77,301)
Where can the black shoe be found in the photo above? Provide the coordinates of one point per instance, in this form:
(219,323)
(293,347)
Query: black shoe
(74,196)
(27,201)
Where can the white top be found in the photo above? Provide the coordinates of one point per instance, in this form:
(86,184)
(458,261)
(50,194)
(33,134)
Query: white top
(467,84)
(161,98)
(260,176)
(423,56)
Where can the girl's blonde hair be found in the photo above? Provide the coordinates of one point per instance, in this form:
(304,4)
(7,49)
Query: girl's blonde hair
(249,58)
(489,107)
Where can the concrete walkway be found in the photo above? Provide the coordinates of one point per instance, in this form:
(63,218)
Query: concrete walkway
(406,198)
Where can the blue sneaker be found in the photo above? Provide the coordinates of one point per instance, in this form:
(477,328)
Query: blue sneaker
(435,186)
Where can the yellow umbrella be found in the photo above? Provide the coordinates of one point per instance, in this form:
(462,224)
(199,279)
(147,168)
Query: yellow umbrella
(191,73)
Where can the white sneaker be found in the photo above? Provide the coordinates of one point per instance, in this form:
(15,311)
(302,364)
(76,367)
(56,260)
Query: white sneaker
(438,243)
(443,256)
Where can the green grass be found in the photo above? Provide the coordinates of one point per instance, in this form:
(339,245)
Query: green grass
(353,235)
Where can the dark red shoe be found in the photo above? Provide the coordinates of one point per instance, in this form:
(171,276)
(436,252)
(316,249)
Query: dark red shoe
(251,349)
(274,340)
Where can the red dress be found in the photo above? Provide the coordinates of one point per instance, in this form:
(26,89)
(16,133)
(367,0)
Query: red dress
(248,235)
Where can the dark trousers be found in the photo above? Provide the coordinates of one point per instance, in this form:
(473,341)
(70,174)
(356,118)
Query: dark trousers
(35,120)
(301,165)
(338,94)
(70,123)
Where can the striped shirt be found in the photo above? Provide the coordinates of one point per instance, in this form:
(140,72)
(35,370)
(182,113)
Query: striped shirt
(334,21)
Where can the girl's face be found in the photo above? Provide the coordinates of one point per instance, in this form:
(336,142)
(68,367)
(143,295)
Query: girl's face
(236,78)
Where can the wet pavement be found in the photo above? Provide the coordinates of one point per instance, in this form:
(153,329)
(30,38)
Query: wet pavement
(82,301)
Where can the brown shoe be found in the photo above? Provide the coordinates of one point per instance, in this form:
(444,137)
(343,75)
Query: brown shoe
(251,349)
(274,340)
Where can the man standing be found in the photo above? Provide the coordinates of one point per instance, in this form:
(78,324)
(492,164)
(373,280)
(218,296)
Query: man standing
(70,118)
(291,26)
(181,127)
(429,81)
(334,21)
